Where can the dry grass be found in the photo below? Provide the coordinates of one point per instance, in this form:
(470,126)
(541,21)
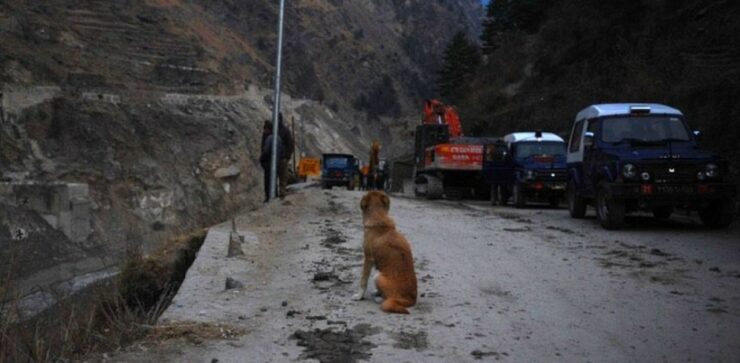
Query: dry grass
(112,316)
(193,332)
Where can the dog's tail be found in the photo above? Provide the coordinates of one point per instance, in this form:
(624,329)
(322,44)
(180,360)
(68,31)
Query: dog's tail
(392,305)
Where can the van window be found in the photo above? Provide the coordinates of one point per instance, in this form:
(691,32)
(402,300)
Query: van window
(528,149)
(575,137)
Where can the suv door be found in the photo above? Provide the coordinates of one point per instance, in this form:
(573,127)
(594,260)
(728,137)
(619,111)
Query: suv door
(591,159)
(495,163)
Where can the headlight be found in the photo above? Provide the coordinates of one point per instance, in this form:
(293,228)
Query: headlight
(645,176)
(530,174)
(629,171)
(711,170)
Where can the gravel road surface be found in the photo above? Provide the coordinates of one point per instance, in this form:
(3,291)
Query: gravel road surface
(495,284)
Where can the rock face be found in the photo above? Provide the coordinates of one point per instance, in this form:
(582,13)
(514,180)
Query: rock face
(157,106)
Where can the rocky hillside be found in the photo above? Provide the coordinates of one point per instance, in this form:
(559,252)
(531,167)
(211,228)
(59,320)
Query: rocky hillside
(157,105)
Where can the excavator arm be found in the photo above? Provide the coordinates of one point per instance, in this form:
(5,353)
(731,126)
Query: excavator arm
(436,112)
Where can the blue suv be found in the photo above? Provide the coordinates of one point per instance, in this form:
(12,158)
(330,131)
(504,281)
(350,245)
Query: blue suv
(338,170)
(526,166)
(628,157)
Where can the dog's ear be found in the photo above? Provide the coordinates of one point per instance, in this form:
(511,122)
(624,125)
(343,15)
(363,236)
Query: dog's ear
(386,201)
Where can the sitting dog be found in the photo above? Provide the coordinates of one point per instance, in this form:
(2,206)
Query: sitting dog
(390,253)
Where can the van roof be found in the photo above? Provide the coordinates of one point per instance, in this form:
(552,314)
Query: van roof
(530,136)
(614,109)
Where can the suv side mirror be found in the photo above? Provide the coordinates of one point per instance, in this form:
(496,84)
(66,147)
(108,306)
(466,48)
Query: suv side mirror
(697,135)
(588,140)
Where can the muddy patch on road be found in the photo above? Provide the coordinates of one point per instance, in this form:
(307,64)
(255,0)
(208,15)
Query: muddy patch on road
(479,354)
(640,262)
(513,217)
(407,340)
(332,237)
(330,345)
(564,230)
(325,276)
(523,229)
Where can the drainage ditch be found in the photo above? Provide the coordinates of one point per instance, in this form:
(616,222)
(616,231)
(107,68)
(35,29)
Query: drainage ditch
(106,315)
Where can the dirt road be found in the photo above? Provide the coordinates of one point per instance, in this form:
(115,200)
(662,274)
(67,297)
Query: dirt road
(495,283)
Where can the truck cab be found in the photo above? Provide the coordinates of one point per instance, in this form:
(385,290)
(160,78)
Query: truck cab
(338,170)
(526,166)
(628,157)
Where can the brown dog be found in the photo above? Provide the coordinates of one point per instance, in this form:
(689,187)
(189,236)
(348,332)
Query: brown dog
(390,253)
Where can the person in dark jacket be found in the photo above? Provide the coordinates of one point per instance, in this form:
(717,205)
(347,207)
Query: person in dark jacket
(288,147)
(266,155)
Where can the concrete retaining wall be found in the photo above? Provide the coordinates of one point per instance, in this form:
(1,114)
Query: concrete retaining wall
(65,206)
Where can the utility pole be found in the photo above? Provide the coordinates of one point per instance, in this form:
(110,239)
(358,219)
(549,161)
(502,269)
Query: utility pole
(276,107)
(295,164)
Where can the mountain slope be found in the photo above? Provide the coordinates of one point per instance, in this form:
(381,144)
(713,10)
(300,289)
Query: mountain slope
(157,105)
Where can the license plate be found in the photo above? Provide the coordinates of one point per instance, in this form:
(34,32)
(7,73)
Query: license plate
(557,186)
(674,189)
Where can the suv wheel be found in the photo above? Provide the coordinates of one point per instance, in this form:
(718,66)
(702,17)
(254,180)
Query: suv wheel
(519,201)
(663,212)
(717,214)
(609,211)
(576,204)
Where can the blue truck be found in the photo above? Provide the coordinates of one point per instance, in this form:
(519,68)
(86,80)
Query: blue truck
(627,157)
(338,170)
(526,166)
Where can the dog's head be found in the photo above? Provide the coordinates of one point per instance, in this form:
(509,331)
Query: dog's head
(375,199)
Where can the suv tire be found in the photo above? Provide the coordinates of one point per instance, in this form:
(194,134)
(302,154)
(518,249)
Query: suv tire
(717,214)
(576,204)
(610,212)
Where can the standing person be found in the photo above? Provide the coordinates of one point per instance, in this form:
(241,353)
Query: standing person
(374,164)
(266,155)
(288,148)
(363,174)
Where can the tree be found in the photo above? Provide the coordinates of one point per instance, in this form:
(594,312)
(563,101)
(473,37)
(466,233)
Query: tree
(460,62)
(497,21)
(509,15)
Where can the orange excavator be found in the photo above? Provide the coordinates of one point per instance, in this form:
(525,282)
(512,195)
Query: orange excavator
(446,162)
(437,113)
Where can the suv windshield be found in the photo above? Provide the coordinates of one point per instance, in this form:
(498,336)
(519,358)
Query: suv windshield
(644,129)
(528,149)
(336,162)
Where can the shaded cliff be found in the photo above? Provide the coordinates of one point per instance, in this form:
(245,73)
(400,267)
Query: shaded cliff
(685,54)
